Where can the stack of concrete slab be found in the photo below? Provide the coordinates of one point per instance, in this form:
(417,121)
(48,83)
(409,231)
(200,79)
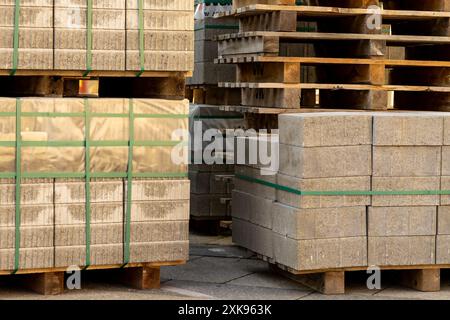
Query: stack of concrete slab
(207,28)
(353,189)
(53,224)
(443,230)
(206,72)
(53,35)
(35,33)
(71,32)
(321,152)
(406,157)
(211,183)
(37,226)
(168,35)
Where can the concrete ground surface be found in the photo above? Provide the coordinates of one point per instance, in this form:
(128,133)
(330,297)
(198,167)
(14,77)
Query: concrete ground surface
(217,269)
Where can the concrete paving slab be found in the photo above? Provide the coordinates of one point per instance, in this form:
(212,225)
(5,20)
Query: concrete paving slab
(214,270)
(220,251)
(232,292)
(268,279)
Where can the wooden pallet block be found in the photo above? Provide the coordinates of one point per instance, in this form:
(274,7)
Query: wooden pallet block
(141,276)
(213,95)
(332,282)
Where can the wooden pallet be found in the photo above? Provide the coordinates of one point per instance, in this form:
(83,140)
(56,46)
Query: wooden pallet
(437,5)
(425,278)
(212,95)
(163,85)
(139,276)
(350,63)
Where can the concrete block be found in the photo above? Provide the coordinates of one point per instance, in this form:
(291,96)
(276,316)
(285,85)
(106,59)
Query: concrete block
(325,162)
(445,161)
(255,188)
(112,233)
(408,129)
(325,184)
(173,251)
(30,237)
(308,224)
(112,254)
(443,220)
(206,183)
(446,130)
(253,237)
(445,186)
(31,215)
(402,251)
(326,129)
(68,192)
(148,190)
(142,211)
(38,193)
(29,258)
(402,221)
(210,205)
(406,161)
(241,208)
(443,249)
(259,210)
(309,255)
(405,184)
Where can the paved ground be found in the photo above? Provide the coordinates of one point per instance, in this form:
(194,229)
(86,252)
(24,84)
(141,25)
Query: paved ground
(219,270)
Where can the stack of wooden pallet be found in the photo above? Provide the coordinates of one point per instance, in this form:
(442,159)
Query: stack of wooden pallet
(92,182)
(351,56)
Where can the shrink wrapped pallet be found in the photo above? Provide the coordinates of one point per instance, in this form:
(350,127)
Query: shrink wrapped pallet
(133,212)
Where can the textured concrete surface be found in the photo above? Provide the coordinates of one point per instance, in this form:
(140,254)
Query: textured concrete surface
(219,270)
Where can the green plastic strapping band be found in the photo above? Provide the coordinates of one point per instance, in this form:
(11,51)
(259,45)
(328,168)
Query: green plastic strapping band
(18,186)
(126,246)
(15,57)
(343,193)
(141,38)
(87,132)
(88,38)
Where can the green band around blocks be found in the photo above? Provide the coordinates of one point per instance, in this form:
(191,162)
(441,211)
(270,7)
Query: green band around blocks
(18,177)
(342,193)
(88,38)
(15,56)
(141,38)
(126,247)
(87,133)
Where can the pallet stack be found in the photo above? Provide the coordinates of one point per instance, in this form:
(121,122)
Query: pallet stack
(353,189)
(350,56)
(91,182)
